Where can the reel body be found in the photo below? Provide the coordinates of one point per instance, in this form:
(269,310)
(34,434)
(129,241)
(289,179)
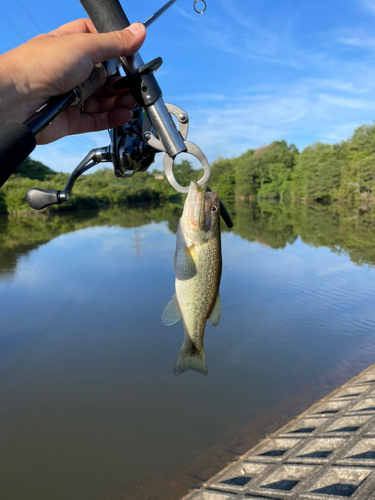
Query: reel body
(129,153)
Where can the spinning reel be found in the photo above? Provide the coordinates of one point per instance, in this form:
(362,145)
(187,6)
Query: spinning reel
(134,145)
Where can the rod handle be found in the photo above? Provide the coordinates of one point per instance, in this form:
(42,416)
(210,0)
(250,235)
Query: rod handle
(16,143)
(107,15)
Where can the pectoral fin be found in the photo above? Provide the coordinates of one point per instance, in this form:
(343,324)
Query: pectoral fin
(215,315)
(186,263)
(170,314)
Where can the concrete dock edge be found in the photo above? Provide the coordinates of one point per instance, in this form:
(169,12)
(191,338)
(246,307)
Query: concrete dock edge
(327,453)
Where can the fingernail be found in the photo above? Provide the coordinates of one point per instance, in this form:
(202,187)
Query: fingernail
(136,28)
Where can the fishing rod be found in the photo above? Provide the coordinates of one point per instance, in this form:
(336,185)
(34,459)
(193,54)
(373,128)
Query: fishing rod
(134,145)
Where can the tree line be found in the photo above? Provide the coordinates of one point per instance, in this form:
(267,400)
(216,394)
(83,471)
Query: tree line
(320,173)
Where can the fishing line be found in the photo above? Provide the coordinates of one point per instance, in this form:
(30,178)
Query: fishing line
(13,25)
(31,16)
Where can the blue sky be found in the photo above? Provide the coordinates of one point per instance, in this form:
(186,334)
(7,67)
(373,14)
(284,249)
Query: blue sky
(247,73)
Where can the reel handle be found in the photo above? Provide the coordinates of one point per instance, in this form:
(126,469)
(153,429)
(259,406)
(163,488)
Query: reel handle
(41,198)
(107,15)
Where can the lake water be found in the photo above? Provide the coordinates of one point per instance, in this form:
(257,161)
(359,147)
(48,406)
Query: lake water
(89,407)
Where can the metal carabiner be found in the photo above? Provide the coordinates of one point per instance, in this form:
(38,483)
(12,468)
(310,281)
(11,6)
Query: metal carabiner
(203,8)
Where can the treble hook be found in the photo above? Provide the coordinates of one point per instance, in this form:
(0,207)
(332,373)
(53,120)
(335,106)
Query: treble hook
(203,8)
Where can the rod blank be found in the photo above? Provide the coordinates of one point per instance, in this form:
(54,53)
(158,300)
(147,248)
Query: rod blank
(158,13)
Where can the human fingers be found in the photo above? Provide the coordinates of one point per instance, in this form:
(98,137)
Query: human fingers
(107,90)
(101,105)
(73,122)
(102,121)
(68,60)
(105,46)
(78,26)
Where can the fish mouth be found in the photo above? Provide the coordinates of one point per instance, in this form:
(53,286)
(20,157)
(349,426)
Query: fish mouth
(197,198)
(202,210)
(192,201)
(193,192)
(196,201)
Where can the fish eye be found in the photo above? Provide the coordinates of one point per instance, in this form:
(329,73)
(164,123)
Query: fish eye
(213,209)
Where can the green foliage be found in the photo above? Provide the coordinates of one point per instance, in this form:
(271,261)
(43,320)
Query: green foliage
(3,205)
(344,171)
(318,172)
(223,177)
(322,172)
(34,170)
(266,172)
(358,180)
(362,143)
(91,191)
(184,173)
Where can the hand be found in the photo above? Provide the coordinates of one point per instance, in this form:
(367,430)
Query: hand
(55,63)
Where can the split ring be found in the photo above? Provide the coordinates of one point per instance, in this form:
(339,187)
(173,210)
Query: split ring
(203,9)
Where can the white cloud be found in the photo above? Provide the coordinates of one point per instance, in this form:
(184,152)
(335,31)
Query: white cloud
(311,109)
(204,97)
(357,38)
(364,41)
(368,5)
(246,46)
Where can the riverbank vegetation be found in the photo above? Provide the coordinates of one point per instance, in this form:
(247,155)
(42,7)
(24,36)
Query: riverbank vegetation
(320,173)
(93,191)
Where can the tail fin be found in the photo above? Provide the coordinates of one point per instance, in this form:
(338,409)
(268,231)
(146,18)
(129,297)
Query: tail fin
(186,360)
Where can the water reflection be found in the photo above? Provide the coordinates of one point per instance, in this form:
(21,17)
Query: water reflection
(138,242)
(339,228)
(89,408)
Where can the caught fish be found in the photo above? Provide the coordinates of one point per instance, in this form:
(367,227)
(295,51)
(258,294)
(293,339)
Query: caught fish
(198,271)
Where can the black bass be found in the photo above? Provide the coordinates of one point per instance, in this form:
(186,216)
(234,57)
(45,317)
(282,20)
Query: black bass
(198,271)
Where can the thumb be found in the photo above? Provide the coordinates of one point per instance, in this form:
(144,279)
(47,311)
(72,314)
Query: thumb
(105,46)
